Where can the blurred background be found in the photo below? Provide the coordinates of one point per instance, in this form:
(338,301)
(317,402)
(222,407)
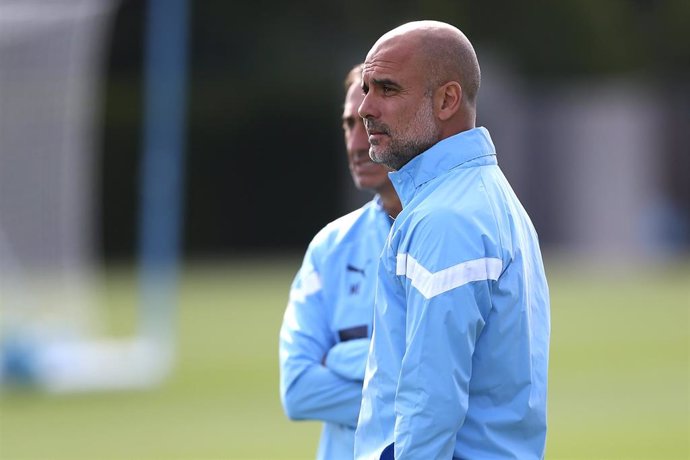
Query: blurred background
(164,164)
(588,104)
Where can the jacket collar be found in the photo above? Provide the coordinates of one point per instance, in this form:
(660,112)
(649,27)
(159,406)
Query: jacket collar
(440,158)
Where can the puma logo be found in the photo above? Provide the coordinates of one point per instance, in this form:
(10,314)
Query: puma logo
(352,268)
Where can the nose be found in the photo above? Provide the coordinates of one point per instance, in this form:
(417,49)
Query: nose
(357,138)
(366,108)
(360,136)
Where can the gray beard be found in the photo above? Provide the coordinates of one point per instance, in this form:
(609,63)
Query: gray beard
(400,151)
(399,154)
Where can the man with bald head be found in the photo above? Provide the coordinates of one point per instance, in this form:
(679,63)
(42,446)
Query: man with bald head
(458,363)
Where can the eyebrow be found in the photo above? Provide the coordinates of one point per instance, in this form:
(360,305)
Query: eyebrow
(380,82)
(384,81)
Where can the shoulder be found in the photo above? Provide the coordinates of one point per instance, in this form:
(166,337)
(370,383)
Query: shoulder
(450,228)
(447,213)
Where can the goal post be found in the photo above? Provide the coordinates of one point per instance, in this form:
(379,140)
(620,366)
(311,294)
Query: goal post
(51,72)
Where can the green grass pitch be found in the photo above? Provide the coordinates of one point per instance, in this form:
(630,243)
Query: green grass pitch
(619,383)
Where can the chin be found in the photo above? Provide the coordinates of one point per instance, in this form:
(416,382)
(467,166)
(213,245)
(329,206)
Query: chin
(362,184)
(382,157)
(370,185)
(375,157)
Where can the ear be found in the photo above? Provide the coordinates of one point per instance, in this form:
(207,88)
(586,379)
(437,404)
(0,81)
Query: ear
(447,100)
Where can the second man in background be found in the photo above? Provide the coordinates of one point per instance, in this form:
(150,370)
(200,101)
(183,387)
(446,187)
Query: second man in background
(324,339)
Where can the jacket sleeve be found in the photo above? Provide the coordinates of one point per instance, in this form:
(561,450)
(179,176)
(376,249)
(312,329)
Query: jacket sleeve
(349,359)
(447,297)
(308,389)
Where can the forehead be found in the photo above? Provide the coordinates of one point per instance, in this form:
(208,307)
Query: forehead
(393,59)
(353,99)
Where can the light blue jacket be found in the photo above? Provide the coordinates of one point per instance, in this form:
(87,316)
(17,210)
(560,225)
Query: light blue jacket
(329,314)
(458,364)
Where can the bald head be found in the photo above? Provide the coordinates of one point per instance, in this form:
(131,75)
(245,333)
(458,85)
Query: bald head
(442,50)
(420,82)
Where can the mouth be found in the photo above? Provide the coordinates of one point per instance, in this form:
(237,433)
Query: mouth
(376,136)
(362,163)
(374,129)
(361,158)
(366,169)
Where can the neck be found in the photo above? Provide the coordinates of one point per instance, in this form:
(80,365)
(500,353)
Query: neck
(463,120)
(390,200)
